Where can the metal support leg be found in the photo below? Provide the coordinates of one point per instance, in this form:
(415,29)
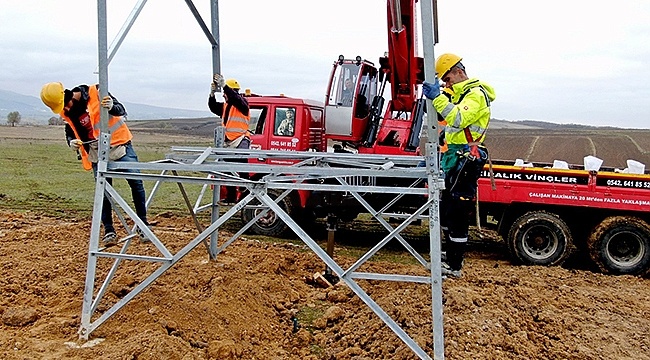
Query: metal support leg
(332,221)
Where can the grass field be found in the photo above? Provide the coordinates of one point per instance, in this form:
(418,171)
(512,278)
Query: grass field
(39,172)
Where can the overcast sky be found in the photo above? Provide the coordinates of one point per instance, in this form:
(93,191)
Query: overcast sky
(575,61)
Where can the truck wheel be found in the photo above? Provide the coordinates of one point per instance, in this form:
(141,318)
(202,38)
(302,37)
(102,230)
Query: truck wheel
(621,245)
(539,238)
(270,224)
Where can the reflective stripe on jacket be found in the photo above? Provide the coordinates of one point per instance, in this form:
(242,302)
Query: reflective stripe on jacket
(120,133)
(236,123)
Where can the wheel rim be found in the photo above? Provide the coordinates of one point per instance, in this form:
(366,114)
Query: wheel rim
(540,242)
(267,220)
(625,248)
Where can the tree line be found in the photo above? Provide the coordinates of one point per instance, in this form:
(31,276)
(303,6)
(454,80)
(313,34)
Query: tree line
(14,117)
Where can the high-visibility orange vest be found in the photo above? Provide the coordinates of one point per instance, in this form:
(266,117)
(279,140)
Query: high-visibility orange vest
(120,132)
(443,145)
(87,165)
(236,124)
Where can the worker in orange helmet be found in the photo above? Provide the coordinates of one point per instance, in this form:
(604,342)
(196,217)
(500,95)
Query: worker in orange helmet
(467,114)
(79,107)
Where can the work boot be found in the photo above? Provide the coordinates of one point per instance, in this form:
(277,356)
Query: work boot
(447,271)
(141,234)
(109,239)
(455,254)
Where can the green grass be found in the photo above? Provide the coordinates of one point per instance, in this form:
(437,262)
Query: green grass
(307,315)
(45,176)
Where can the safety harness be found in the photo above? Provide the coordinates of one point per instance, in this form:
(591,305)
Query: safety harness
(474,143)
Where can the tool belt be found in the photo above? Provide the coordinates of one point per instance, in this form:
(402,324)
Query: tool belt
(462,179)
(234,143)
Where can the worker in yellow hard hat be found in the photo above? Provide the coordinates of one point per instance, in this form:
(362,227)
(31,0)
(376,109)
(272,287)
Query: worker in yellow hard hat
(445,62)
(79,107)
(467,114)
(235,112)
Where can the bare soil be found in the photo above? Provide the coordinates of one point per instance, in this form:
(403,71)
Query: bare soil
(242,305)
(256,301)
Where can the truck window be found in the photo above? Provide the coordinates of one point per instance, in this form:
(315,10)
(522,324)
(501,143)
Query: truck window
(344,84)
(285,121)
(258,118)
(316,118)
(367,91)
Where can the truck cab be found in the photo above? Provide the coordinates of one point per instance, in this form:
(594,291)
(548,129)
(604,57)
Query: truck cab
(286,124)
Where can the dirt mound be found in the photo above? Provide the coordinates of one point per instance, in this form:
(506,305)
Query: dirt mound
(254,303)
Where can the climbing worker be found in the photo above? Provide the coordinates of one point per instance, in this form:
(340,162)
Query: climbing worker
(235,112)
(467,115)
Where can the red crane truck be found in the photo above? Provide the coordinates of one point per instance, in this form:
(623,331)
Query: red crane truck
(542,213)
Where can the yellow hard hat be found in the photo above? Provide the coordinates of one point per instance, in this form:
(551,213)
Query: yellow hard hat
(233,84)
(445,62)
(52,95)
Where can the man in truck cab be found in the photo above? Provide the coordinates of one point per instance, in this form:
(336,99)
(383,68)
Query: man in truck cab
(288,123)
(467,115)
(348,93)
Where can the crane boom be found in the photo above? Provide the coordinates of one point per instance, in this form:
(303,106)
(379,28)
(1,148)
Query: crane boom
(402,65)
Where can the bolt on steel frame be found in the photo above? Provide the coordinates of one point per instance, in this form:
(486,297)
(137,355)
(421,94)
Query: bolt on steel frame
(311,171)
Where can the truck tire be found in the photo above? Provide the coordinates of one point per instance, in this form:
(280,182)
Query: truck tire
(621,245)
(539,238)
(270,224)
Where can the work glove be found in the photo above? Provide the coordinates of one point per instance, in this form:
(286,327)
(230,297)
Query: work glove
(219,80)
(431,91)
(75,144)
(213,88)
(107,102)
(218,97)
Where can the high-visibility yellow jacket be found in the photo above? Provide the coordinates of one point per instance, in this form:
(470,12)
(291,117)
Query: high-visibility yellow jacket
(469,108)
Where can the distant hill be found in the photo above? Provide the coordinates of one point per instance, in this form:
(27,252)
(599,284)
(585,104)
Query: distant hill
(532,141)
(33,111)
(535,124)
(542,125)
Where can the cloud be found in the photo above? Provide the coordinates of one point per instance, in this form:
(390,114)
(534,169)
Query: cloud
(559,61)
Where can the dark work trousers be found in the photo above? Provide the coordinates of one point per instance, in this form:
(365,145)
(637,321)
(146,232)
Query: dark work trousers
(231,191)
(457,205)
(137,193)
